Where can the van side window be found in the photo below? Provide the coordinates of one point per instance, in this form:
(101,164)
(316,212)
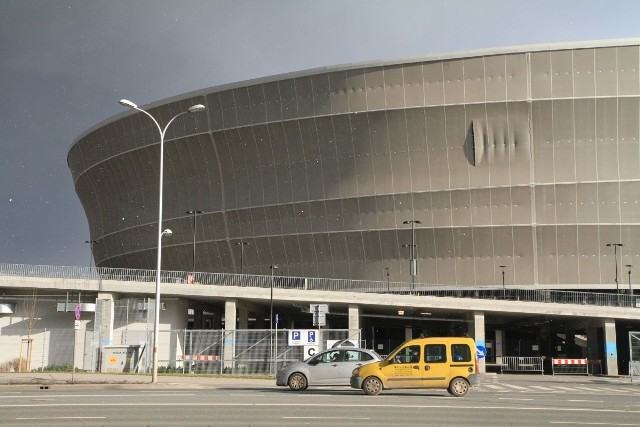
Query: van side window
(461,353)
(435,353)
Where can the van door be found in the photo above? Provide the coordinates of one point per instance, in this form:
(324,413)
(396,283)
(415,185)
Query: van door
(436,371)
(404,369)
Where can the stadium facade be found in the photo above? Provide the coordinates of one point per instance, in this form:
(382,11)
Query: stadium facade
(527,158)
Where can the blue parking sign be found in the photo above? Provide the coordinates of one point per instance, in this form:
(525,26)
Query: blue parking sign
(295,335)
(312,337)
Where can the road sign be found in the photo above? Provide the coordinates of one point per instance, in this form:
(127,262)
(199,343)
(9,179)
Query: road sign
(78,311)
(481,351)
(319,312)
(76,325)
(310,350)
(303,337)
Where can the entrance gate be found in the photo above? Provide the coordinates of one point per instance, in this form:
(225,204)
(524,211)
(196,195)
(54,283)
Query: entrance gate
(634,357)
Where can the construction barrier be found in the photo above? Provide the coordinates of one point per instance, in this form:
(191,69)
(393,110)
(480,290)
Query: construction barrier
(200,357)
(570,366)
(520,364)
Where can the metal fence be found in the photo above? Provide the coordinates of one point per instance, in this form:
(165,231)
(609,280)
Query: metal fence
(634,357)
(252,352)
(520,364)
(338,285)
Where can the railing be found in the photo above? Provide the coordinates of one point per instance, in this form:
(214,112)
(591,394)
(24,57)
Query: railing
(338,285)
(520,364)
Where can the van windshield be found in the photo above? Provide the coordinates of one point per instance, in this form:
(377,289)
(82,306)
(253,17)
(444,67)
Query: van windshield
(395,350)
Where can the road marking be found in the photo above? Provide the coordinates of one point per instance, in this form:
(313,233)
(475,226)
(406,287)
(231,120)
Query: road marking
(325,418)
(456,406)
(590,424)
(513,398)
(61,418)
(517,387)
(585,400)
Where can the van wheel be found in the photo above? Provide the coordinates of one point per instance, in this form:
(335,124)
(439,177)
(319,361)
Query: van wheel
(372,386)
(297,382)
(458,387)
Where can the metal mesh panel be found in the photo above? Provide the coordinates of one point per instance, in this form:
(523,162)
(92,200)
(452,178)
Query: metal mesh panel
(39,350)
(634,357)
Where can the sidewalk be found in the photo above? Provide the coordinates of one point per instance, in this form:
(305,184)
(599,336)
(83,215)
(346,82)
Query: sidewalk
(65,378)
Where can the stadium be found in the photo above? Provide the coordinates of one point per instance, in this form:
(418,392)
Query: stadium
(514,165)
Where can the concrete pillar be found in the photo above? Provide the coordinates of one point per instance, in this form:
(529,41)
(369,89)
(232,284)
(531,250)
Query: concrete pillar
(499,345)
(408,333)
(105,310)
(610,347)
(354,322)
(229,341)
(243,317)
(478,336)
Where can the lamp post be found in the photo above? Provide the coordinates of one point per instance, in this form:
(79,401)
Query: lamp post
(615,256)
(630,288)
(194,213)
(387,269)
(242,245)
(413,262)
(504,289)
(273,269)
(156,324)
(90,242)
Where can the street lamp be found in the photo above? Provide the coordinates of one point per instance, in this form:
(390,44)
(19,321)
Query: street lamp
(615,256)
(504,289)
(242,245)
(273,269)
(195,214)
(91,242)
(630,288)
(156,324)
(413,262)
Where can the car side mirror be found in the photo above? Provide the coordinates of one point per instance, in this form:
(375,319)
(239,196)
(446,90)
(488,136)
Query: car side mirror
(314,362)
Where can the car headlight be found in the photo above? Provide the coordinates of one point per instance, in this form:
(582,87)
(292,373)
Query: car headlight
(355,372)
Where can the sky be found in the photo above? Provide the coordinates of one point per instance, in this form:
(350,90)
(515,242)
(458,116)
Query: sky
(64,64)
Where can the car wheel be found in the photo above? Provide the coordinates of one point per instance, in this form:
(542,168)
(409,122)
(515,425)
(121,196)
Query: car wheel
(458,387)
(297,382)
(372,386)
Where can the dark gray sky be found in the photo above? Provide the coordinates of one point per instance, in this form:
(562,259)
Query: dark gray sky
(64,64)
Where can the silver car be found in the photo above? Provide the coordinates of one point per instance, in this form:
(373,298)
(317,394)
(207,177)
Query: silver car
(331,367)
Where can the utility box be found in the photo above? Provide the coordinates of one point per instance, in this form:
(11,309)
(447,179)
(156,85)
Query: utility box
(119,358)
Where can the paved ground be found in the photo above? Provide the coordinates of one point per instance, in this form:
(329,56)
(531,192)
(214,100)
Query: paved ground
(195,381)
(65,378)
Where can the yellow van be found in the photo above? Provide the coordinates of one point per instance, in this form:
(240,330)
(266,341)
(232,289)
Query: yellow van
(445,363)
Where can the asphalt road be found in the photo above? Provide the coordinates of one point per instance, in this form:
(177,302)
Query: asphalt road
(499,401)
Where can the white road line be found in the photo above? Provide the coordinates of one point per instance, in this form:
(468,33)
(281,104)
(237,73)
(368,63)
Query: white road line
(517,387)
(513,398)
(457,406)
(589,389)
(61,418)
(541,388)
(325,418)
(585,400)
(590,424)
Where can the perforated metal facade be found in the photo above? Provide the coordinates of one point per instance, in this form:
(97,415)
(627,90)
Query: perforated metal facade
(527,158)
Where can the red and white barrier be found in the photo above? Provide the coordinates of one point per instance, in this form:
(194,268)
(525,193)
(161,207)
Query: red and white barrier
(201,357)
(570,361)
(570,366)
